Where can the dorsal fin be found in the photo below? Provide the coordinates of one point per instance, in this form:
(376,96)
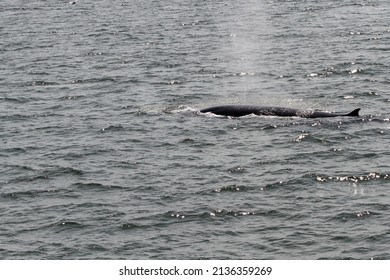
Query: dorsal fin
(354,113)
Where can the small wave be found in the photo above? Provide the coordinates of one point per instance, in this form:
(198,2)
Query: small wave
(21,167)
(365,94)
(352,178)
(217,213)
(157,110)
(71,97)
(232,188)
(30,178)
(182,109)
(196,22)
(19,100)
(244,74)
(301,137)
(224,212)
(93,54)
(212,214)
(73,155)
(67,225)
(92,80)
(340,69)
(42,83)
(30,193)
(187,141)
(96,186)
(353,216)
(130,226)
(65,170)
(237,170)
(124,163)
(27,116)
(44,174)
(112,128)
(96,247)
(275,185)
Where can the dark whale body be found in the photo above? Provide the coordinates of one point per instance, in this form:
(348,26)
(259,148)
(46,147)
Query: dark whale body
(242,110)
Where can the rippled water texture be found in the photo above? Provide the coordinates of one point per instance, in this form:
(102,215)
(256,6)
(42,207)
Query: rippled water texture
(104,154)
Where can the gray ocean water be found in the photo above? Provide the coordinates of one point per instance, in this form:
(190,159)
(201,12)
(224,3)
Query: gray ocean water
(104,154)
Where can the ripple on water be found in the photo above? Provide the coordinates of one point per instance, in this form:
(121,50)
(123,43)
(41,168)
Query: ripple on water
(373,176)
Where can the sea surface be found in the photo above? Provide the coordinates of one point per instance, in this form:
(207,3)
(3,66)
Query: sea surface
(105,155)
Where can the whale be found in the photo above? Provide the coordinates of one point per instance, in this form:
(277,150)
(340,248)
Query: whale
(243,110)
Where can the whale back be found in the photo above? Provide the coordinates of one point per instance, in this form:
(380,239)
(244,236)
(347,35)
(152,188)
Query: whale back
(243,110)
